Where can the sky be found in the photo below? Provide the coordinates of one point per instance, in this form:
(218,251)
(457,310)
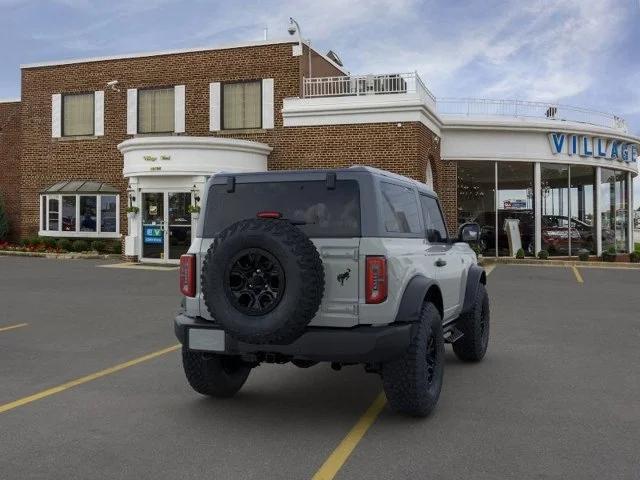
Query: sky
(576,52)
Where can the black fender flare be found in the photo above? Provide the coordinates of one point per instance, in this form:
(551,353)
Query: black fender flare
(475,277)
(413,298)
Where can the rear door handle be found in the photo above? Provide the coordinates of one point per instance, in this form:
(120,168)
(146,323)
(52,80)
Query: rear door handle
(440,262)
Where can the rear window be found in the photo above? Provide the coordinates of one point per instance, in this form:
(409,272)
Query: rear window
(315,209)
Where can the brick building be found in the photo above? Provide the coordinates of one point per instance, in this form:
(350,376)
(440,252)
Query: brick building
(92,138)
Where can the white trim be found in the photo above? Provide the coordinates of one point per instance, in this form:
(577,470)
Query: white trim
(268,102)
(156,53)
(214,107)
(56,115)
(98,113)
(132,111)
(60,234)
(179,108)
(392,108)
(217,143)
(10,100)
(630,220)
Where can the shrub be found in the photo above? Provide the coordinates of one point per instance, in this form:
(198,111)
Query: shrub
(520,253)
(49,242)
(4,221)
(543,254)
(583,255)
(65,244)
(98,246)
(610,255)
(116,248)
(635,257)
(79,246)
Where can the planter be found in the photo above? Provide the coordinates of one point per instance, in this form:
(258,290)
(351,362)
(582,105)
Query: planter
(131,215)
(195,215)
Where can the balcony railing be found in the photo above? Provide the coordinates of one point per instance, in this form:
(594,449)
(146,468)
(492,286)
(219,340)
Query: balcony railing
(411,83)
(396,83)
(524,109)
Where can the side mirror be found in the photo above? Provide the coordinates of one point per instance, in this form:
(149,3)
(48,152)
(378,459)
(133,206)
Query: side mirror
(469,233)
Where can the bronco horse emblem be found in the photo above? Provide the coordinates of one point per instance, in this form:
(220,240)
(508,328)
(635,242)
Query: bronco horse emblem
(344,276)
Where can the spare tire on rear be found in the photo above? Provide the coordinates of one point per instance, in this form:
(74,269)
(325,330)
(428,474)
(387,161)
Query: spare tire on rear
(263,281)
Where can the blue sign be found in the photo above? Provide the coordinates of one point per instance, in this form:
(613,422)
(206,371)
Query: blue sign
(153,236)
(589,146)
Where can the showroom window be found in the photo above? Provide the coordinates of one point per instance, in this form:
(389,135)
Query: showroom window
(242,105)
(477,201)
(78,114)
(80,209)
(516,219)
(614,210)
(156,110)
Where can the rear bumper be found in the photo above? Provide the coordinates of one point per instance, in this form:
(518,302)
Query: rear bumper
(363,344)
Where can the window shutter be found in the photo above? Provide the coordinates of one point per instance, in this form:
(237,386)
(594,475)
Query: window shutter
(178,98)
(214,107)
(98,111)
(267,103)
(56,115)
(132,111)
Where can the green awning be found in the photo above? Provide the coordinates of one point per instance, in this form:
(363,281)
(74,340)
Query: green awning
(80,186)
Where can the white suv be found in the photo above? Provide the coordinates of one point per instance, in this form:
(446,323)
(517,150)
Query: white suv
(345,266)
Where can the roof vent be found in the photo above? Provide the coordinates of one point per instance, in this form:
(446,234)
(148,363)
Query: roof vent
(334,57)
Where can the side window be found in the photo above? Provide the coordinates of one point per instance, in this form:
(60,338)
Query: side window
(436,229)
(400,209)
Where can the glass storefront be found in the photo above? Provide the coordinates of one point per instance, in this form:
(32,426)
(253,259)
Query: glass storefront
(516,219)
(477,201)
(614,210)
(568,199)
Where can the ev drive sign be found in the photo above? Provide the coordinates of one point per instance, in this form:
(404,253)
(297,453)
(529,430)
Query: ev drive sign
(597,147)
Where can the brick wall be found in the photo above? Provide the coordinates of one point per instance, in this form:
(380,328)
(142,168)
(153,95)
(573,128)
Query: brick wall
(44,161)
(9,163)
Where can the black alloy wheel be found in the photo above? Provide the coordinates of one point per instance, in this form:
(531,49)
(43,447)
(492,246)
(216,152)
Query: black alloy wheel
(255,281)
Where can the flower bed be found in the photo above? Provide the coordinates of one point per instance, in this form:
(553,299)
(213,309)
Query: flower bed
(48,245)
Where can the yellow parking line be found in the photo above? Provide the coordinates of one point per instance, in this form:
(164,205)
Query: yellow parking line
(339,456)
(577,274)
(11,327)
(489,268)
(79,381)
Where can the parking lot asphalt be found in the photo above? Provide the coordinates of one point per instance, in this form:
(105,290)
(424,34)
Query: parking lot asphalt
(558,395)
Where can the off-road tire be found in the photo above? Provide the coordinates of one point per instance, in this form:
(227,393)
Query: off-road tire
(474,326)
(303,278)
(214,375)
(412,384)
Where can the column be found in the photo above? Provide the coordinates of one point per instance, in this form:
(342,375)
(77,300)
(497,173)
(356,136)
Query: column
(598,215)
(537,197)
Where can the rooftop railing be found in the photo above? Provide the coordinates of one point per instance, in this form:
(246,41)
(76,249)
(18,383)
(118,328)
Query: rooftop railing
(411,83)
(525,109)
(357,85)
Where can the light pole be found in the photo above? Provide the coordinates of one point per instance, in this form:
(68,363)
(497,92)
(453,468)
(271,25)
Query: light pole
(294,27)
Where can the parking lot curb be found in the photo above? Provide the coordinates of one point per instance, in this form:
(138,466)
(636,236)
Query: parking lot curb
(559,263)
(60,256)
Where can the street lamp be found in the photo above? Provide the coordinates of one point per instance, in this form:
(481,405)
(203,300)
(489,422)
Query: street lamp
(294,27)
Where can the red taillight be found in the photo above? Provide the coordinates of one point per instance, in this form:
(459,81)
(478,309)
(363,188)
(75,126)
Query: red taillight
(269,215)
(376,280)
(188,275)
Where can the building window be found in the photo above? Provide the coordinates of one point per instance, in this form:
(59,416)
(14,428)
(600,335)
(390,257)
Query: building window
(78,215)
(78,114)
(614,210)
(242,105)
(156,110)
(477,201)
(515,209)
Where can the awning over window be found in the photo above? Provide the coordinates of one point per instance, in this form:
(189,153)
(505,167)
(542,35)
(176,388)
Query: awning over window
(80,186)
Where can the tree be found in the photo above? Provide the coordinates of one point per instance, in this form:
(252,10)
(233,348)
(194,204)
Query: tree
(4,221)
